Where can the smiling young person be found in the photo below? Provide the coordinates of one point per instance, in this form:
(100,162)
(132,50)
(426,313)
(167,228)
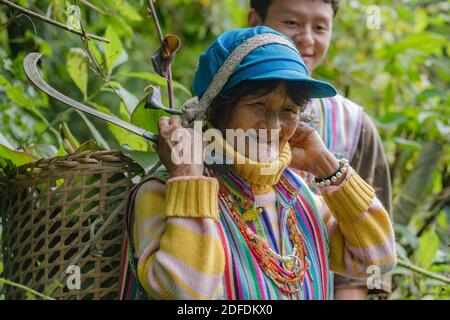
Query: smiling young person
(344,127)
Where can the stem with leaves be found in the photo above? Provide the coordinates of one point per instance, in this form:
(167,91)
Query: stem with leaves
(51,21)
(25,288)
(422,271)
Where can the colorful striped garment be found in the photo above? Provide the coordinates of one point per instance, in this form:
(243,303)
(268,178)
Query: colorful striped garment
(338,122)
(349,133)
(188,247)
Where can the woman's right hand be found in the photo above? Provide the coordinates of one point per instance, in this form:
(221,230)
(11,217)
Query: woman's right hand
(176,156)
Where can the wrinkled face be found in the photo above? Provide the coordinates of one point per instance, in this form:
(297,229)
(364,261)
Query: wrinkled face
(308,23)
(275,111)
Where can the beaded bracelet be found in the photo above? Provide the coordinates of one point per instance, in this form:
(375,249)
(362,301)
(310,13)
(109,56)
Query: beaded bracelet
(343,167)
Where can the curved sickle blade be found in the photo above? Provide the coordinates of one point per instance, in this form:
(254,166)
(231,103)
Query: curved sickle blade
(29,65)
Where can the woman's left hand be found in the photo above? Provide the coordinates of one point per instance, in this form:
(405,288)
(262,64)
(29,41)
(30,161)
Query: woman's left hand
(310,154)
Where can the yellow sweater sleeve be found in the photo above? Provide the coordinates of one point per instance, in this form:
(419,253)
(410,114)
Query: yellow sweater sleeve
(359,229)
(177,240)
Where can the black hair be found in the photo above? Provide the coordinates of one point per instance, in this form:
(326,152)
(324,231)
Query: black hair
(223,104)
(262,6)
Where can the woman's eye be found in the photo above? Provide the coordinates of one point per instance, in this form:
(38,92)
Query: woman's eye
(291,110)
(321,28)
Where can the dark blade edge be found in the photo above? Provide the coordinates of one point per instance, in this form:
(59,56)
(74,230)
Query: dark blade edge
(29,65)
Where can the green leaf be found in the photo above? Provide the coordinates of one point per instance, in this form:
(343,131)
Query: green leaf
(145,159)
(155,79)
(90,144)
(61,152)
(114,49)
(95,133)
(146,118)
(418,41)
(5,141)
(92,45)
(77,66)
(408,144)
(442,218)
(126,97)
(123,112)
(41,150)
(14,93)
(127,11)
(17,158)
(123,137)
(428,246)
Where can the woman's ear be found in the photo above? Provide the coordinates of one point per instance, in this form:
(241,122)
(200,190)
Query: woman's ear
(254,19)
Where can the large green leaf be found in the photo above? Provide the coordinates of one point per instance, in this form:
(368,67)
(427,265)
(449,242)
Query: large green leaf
(93,47)
(5,141)
(41,150)
(146,118)
(428,246)
(145,159)
(15,93)
(114,49)
(126,10)
(94,131)
(90,144)
(126,97)
(17,158)
(408,144)
(77,66)
(156,79)
(417,41)
(123,137)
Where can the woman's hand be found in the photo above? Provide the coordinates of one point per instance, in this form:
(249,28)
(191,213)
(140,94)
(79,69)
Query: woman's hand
(175,154)
(310,154)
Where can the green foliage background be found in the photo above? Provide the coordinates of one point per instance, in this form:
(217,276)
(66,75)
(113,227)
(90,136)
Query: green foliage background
(399,72)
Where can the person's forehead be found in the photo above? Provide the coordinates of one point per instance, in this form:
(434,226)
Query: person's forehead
(279,93)
(314,8)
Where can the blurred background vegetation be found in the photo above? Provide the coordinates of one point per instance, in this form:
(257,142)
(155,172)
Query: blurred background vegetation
(399,71)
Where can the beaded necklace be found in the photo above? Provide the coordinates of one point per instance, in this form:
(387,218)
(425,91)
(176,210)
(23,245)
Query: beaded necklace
(284,271)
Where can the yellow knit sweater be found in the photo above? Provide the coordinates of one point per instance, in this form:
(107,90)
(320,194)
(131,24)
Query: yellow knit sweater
(180,251)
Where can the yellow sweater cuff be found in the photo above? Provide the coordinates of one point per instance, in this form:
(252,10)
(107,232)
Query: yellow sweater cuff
(192,197)
(351,199)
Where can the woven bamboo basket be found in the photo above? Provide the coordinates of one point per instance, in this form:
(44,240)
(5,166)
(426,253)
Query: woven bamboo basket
(61,212)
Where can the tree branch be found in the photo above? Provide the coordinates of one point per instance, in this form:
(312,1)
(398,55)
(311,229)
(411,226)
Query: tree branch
(25,288)
(422,271)
(51,21)
(156,20)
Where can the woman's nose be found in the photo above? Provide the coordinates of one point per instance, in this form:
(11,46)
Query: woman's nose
(273,126)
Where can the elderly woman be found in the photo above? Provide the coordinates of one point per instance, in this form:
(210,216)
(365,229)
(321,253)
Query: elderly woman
(252,229)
